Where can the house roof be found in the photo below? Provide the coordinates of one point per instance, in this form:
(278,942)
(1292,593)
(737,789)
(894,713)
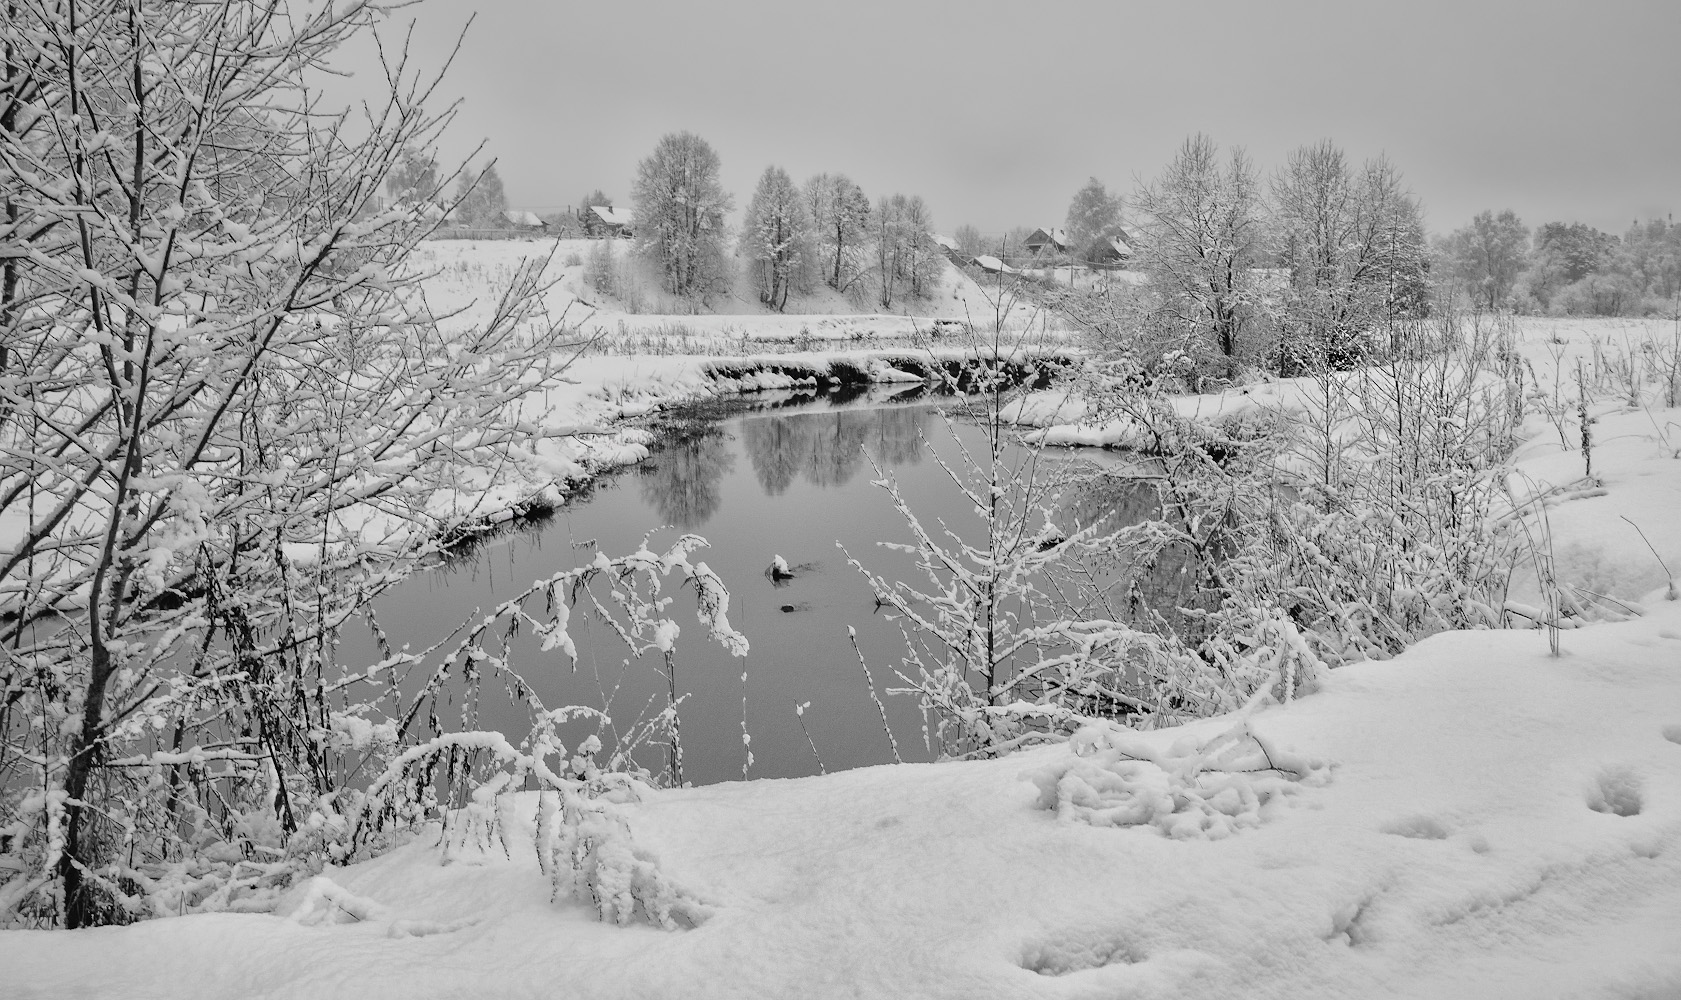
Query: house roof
(1120,246)
(994,265)
(1040,237)
(610,215)
(528,219)
(945,241)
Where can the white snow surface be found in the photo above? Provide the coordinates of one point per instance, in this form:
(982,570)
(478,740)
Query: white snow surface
(1468,843)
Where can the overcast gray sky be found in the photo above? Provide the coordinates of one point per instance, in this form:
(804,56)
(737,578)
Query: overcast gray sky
(996,113)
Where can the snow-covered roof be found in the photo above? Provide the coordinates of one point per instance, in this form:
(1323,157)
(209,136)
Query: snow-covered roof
(1120,246)
(994,265)
(1051,235)
(945,241)
(610,215)
(528,219)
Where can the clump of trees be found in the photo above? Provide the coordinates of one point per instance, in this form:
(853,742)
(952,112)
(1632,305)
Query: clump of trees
(777,238)
(1565,268)
(480,200)
(1312,269)
(840,212)
(1487,256)
(1094,218)
(1204,236)
(680,205)
(907,261)
(1352,243)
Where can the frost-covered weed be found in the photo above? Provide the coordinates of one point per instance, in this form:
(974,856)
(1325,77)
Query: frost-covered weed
(216,826)
(1191,791)
(1370,516)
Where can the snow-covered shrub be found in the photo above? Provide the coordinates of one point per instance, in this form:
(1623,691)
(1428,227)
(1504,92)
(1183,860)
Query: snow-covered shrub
(586,848)
(1386,524)
(229,820)
(995,652)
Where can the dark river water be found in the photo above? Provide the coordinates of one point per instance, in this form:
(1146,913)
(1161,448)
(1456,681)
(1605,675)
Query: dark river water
(771,475)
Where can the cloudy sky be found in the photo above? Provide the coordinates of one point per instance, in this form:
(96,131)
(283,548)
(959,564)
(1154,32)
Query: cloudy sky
(996,113)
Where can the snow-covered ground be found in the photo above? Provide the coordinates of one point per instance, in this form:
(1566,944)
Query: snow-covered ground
(1473,818)
(461,272)
(1495,823)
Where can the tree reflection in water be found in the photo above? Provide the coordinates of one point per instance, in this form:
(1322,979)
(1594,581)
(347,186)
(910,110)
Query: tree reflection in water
(683,478)
(827,448)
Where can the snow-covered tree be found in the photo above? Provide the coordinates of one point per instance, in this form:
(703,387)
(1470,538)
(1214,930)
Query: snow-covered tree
(776,236)
(680,207)
(1488,255)
(1353,241)
(1203,233)
(1094,217)
(225,417)
(415,178)
(480,200)
(841,215)
(587,220)
(906,259)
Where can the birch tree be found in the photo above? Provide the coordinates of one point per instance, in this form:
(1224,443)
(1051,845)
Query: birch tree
(776,236)
(841,215)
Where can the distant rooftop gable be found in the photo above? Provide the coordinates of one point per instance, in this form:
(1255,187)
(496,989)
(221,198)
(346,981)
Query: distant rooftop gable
(610,215)
(1041,238)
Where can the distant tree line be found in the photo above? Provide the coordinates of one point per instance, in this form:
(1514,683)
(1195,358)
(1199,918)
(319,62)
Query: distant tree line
(1566,269)
(793,238)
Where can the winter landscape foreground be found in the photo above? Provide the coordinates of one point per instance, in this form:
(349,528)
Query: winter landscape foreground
(1474,817)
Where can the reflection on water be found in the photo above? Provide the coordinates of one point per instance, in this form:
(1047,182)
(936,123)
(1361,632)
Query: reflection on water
(682,481)
(827,449)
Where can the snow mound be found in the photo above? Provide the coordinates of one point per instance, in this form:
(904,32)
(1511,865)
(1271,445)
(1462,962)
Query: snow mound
(1192,791)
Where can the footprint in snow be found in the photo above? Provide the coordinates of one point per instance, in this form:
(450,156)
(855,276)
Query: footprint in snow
(1076,952)
(1616,791)
(1417,827)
